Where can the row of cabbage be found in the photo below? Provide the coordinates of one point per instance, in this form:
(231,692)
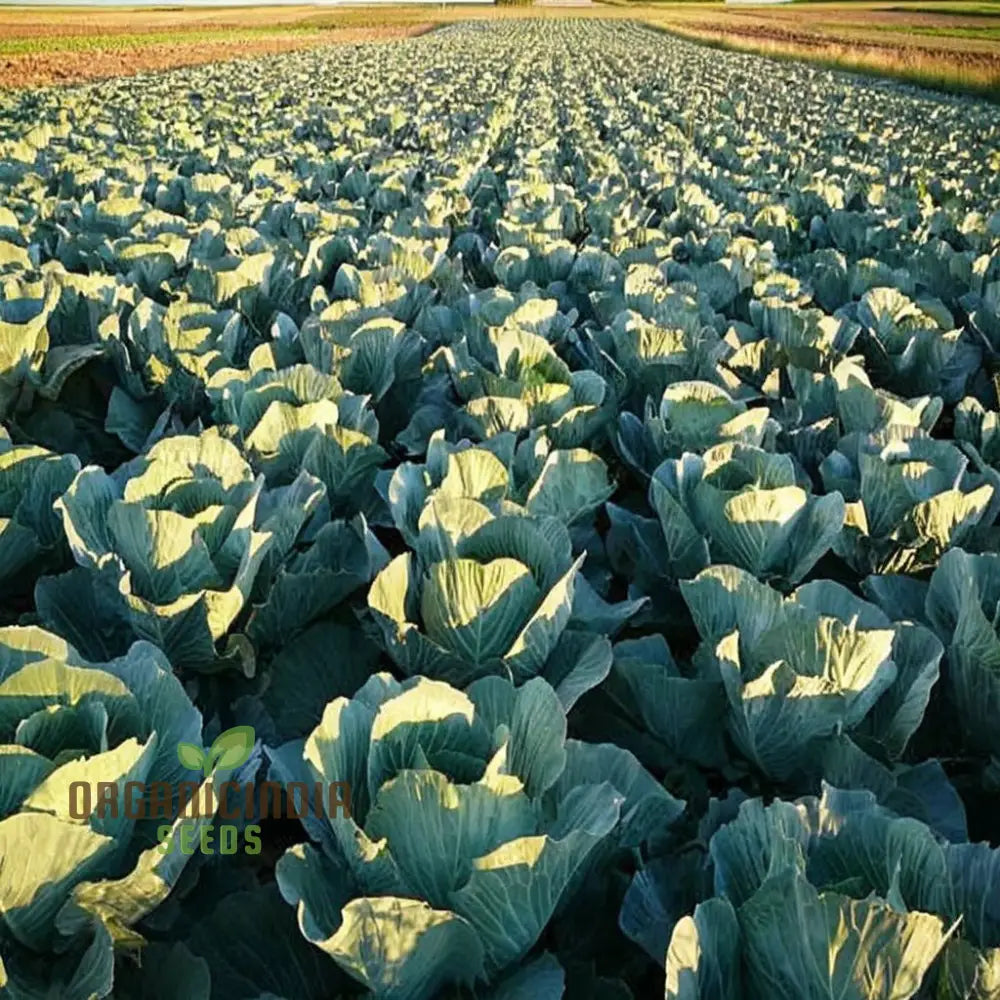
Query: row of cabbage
(586,452)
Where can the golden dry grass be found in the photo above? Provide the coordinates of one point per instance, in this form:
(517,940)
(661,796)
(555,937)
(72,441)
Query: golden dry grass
(918,45)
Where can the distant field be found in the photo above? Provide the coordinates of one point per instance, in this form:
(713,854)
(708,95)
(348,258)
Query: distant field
(41,46)
(953,46)
(87,58)
(949,45)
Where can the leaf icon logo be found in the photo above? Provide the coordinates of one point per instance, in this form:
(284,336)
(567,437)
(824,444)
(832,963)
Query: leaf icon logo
(191,756)
(230,749)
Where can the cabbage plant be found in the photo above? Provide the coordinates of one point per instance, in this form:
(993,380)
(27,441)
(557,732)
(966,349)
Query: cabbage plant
(799,670)
(515,381)
(490,585)
(297,419)
(736,503)
(833,877)
(691,417)
(915,346)
(87,876)
(173,543)
(910,498)
(961,604)
(24,341)
(473,820)
(31,537)
(834,874)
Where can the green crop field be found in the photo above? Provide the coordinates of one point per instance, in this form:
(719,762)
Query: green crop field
(504,514)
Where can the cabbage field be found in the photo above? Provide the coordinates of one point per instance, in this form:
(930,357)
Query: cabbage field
(581,445)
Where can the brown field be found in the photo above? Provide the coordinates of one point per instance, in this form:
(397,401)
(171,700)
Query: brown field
(953,45)
(74,66)
(40,46)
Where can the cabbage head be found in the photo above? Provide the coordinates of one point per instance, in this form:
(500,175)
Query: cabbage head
(472,821)
(490,584)
(73,888)
(173,543)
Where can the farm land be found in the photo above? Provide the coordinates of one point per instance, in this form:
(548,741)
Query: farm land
(954,45)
